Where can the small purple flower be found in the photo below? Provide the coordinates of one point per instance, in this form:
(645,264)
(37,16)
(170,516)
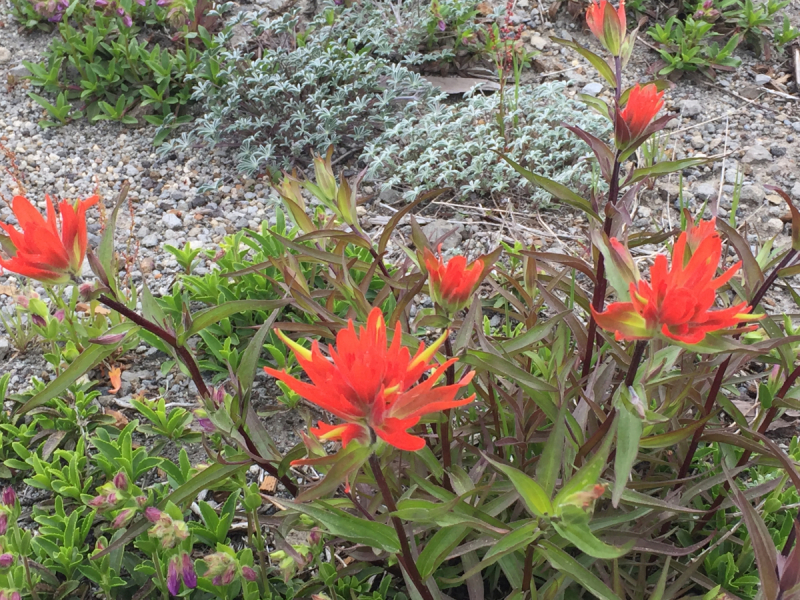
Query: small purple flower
(189,576)
(9,497)
(37,320)
(249,574)
(127,20)
(6,560)
(23,301)
(15,595)
(3,523)
(173,579)
(152,514)
(163,2)
(442,25)
(100,4)
(60,314)
(206,425)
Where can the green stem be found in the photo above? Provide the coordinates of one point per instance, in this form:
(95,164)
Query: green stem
(405,558)
(160,574)
(446,431)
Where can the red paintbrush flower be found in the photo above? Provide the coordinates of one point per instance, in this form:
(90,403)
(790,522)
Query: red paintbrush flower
(633,122)
(676,302)
(452,284)
(607,24)
(372,386)
(40,252)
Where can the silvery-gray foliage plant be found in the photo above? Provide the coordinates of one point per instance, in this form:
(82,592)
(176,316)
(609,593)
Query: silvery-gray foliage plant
(455,145)
(293,93)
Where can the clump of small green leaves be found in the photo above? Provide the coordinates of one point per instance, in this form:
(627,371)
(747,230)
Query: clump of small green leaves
(704,39)
(123,62)
(456,145)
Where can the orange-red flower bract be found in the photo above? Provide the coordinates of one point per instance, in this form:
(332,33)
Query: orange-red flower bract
(452,283)
(607,24)
(676,302)
(632,123)
(372,385)
(40,251)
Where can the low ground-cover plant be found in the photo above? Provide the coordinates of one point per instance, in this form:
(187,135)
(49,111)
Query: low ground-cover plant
(579,448)
(456,145)
(298,95)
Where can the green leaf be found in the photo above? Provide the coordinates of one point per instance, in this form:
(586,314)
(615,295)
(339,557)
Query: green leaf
(561,561)
(342,524)
(558,191)
(629,432)
(589,474)
(248,365)
(598,63)
(663,168)
(105,251)
(529,491)
(534,334)
(520,538)
(214,314)
(88,359)
(439,546)
(574,527)
(550,462)
(348,460)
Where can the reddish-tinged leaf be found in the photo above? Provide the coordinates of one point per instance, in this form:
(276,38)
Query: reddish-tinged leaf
(597,62)
(795,215)
(604,154)
(752,272)
(395,220)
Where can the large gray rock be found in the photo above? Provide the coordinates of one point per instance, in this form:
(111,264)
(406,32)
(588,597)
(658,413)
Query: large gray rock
(796,191)
(705,191)
(5,55)
(752,193)
(756,155)
(436,230)
(170,220)
(691,108)
(592,89)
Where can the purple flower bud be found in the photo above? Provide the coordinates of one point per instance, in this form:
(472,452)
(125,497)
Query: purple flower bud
(100,4)
(60,314)
(708,4)
(3,523)
(163,2)
(127,20)
(98,502)
(173,579)
(218,395)
(442,25)
(122,518)
(314,537)
(23,301)
(249,574)
(189,576)
(37,320)
(108,340)
(6,560)
(121,481)
(228,575)
(9,497)
(152,514)
(112,498)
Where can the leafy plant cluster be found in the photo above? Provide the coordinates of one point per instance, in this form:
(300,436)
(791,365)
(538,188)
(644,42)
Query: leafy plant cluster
(457,145)
(704,37)
(123,60)
(298,94)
